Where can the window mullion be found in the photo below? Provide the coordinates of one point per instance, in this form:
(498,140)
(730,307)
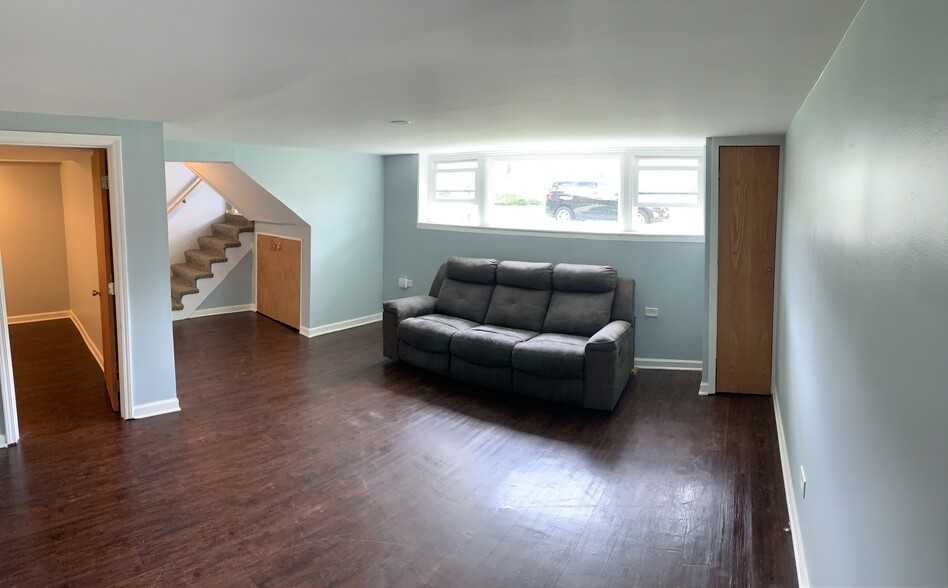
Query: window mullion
(480,189)
(627,184)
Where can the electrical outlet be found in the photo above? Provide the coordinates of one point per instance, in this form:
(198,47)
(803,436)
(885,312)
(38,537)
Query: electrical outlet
(651,311)
(404,283)
(802,483)
(409,283)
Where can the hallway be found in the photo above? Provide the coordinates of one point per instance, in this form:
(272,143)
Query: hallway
(59,385)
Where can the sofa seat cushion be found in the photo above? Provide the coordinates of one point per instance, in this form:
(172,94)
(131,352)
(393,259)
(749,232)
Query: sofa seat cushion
(488,345)
(551,355)
(432,332)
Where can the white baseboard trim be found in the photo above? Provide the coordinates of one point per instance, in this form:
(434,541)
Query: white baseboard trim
(802,574)
(40,316)
(3,441)
(223,310)
(705,389)
(85,337)
(649,363)
(340,326)
(143,411)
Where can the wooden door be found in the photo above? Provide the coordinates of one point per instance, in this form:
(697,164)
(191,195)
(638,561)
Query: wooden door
(103,245)
(747,230)
(278,278)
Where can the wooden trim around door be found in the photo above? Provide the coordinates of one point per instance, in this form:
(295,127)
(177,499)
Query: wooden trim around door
(711,178)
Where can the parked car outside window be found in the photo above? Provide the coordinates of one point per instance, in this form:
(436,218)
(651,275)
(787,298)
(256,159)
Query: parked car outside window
(590,200)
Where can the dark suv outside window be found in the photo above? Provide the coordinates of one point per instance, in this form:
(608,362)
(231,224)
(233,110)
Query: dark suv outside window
(590,200)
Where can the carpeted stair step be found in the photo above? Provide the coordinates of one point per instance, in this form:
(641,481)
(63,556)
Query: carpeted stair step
(246,226)
(216,244)
(203,258)
(190,273)
(226,231)
(178,289)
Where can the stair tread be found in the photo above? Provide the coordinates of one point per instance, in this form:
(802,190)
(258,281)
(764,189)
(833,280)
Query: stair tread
(226,230)
(205,255)
(240,221)
(216,239)
(190,271)
(180,287)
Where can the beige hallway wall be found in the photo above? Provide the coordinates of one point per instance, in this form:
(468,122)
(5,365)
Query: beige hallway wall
(81,256)
(32,239)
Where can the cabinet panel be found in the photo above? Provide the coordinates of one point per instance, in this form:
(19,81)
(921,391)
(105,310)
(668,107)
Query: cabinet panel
(278,278)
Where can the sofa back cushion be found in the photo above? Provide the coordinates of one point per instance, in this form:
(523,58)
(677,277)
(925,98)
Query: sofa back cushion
(467,288)
(522,295)
(582,299)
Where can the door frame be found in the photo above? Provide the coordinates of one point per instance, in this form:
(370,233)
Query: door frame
(255,249)
(712,178)
(113,146)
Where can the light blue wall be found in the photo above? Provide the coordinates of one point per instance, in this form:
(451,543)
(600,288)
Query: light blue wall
(205,151)
(339,194)
(862,338)
(236,289)
(668,275)
(152,370)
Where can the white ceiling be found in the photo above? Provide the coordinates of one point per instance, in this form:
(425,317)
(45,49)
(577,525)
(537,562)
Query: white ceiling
(467,73)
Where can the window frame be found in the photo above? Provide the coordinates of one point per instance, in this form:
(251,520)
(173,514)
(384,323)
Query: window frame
(628,185)
(634,168)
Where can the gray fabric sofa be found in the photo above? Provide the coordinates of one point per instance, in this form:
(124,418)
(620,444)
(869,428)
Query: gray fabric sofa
(564,333)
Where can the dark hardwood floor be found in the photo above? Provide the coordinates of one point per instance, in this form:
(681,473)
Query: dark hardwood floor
(317,462)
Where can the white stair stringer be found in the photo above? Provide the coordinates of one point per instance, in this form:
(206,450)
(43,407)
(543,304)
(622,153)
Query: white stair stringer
(221,269)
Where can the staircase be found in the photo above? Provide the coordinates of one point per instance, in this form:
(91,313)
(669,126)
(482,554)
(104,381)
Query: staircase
(212,249)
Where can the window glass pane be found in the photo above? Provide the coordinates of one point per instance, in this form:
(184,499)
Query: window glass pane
(658,181)
(665,220)
(454,181)
(667,187)
(668,162)
(554,193)
(453,213)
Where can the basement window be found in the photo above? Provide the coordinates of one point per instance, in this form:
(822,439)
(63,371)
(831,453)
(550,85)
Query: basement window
(657,192)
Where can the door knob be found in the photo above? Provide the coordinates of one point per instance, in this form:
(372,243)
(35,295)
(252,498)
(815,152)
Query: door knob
(95,292)
(770,269)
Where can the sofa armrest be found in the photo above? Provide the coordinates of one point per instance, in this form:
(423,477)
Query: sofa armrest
(609,358)
(394,312)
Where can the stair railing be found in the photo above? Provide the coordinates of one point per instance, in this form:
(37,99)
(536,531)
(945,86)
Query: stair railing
(184,194)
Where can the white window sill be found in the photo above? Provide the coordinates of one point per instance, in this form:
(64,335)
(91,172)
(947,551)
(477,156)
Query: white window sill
(595,236)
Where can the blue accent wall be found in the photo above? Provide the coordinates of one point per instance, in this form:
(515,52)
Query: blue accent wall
(668,275)
(862,333)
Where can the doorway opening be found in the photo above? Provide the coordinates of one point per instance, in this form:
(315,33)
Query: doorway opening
(63,299)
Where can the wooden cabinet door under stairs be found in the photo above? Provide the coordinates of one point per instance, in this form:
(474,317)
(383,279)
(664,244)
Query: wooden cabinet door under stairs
(278,278)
